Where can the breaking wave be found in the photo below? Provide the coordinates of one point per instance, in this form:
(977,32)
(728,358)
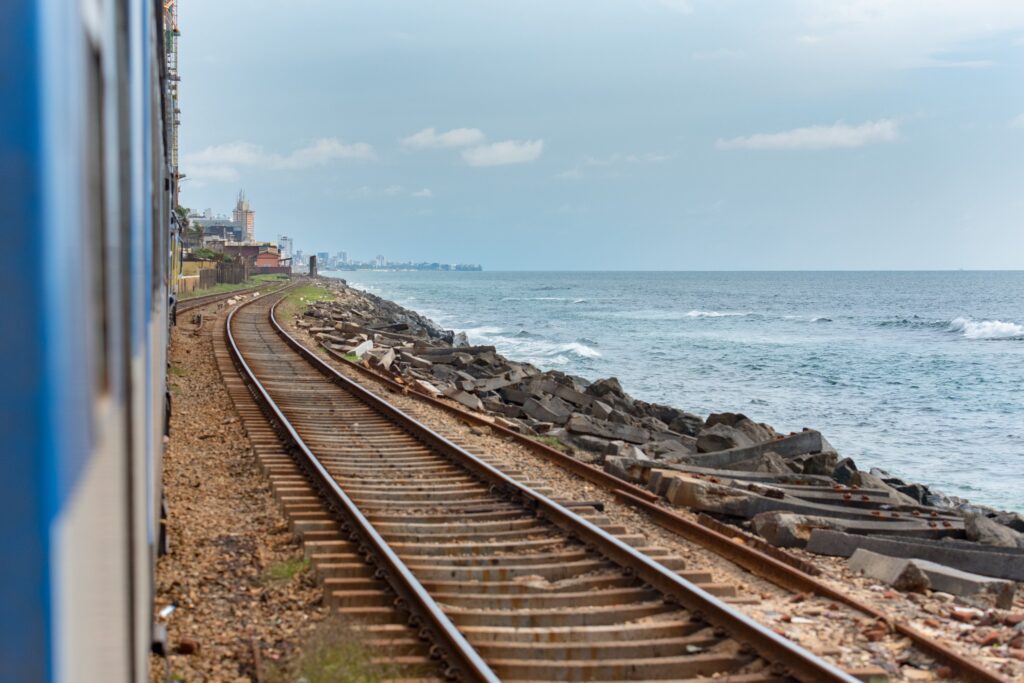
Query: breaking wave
(714,314)
(524,345)
(987,329)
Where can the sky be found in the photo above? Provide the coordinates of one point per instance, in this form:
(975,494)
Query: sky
(615,134)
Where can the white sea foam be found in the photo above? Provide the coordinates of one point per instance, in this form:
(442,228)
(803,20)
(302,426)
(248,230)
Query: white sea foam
(713,314)
(987,329)
(529,347)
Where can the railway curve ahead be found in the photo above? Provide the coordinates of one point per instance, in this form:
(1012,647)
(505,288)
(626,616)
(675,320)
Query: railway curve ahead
(507,583)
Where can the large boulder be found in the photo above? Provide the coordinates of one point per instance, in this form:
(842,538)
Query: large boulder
(721,437)
(984,530)
(844,471)
(604,387)
(757,432)
(676,419)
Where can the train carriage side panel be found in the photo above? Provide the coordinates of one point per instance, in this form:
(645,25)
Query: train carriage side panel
(26,504)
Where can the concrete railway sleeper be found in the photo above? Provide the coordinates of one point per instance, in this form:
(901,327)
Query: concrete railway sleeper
(771,563)
(506,583)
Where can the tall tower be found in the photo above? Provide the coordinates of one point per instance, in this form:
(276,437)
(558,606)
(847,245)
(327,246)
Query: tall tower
(244,217)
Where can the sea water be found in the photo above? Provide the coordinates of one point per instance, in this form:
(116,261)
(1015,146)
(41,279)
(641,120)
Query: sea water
(918,373)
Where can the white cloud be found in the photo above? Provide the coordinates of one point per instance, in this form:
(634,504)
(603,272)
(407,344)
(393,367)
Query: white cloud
(502,153)
(1017,121)
(392,190)
(810,39)
(221,163)
(838,135)
(576,172)
(649,158)
(428,138)
(229,154)
(908,33)
(425,193)
(320,153)
(214,173)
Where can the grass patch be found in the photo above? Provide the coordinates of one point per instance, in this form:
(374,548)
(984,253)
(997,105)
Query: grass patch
(268,277)
(553,443)
(352,357)
(224,287)
(337,653)
(300,297)
(285,570)
(176,371)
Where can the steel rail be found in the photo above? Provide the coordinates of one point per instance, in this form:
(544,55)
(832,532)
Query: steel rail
(785,656)
(773,569)
(206,299)
(466,664)
(789,577)
(585,470)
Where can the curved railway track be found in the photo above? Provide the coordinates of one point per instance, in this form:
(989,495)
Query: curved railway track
(753,554)
(506,583)
(191,303)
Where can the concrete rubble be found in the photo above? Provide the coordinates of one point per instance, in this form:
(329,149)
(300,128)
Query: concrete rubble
(921,575)
(793,489)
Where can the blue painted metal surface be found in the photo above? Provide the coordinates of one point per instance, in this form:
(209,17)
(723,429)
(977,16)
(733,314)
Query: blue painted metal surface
(24,514)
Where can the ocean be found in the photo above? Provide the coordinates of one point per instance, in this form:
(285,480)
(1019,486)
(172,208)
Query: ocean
(918,373)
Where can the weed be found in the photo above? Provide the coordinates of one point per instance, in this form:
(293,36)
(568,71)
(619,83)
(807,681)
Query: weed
(176,371)
(337,653)
(300,297)
(285,570)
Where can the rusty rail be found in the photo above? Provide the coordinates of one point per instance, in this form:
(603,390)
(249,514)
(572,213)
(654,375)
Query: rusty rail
(465,662)
(786,657)
(206,299)
(792,578)
(769,567)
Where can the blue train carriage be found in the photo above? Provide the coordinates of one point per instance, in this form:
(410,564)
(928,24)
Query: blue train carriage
(86,192)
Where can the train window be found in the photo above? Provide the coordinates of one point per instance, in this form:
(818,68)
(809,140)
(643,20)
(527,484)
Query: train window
(95,222)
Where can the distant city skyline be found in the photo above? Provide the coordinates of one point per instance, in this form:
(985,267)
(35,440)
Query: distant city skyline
(657,134)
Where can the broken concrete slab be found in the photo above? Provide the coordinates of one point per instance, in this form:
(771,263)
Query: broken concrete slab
(900,573)
(553,409)
(465,398)
(963,555)
(916,575)
(427,388)
(363,348)
(808,441)
(583,424)
(789,530)
(415,361)
(600,410)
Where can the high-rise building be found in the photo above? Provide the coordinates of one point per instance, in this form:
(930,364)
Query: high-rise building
(285,246)
(245,218)
(342,257)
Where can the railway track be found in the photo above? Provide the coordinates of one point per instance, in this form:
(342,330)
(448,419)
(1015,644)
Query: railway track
(505,582)
(185,305)
(754,555)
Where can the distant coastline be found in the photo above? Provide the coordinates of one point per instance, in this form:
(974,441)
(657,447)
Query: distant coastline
(407,267)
